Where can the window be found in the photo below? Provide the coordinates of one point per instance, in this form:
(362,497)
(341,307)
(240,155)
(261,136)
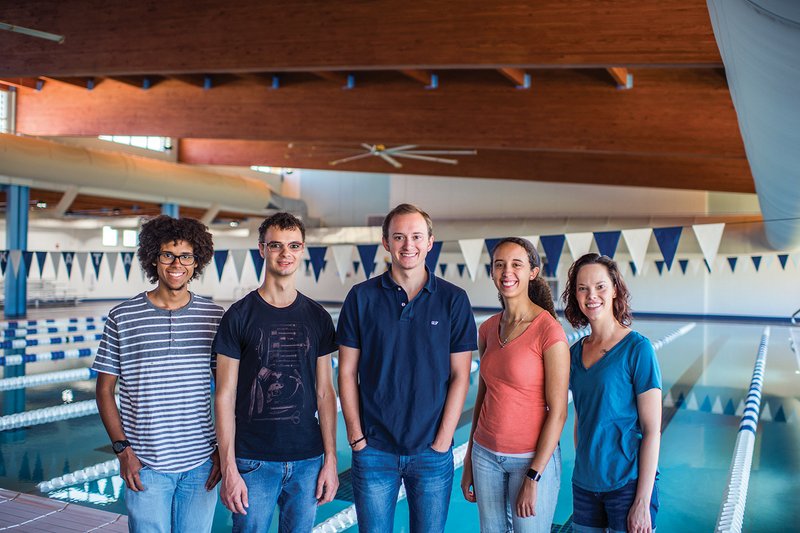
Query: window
(272,170)
(129,238)
(5,111)
(157,144)
(110,236)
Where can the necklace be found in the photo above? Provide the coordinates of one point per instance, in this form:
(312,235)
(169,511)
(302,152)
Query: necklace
(503,342)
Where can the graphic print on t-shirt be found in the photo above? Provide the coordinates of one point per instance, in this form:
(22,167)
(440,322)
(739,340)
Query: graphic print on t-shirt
(277,391)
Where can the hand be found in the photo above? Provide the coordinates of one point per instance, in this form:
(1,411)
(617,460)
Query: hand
(467,485)
(526,499)
(639,517)
(129,466)
(327,481)
(439,447)
(216,474)
(234,492)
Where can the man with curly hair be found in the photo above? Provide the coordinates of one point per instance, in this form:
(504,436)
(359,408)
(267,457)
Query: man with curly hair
(158,344)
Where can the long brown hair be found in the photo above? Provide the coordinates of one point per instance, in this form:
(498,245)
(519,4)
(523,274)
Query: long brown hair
(621,307)
(538,289)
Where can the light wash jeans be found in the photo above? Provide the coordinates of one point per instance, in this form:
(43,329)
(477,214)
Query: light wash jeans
(428,478)
(172,502)
(291,486)
(497,480)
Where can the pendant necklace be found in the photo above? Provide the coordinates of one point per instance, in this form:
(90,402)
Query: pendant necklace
(503,342)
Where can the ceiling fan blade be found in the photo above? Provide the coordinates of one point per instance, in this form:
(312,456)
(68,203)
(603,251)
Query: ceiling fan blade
(442,152)
(348,159)
(427,158)
(389,159)
(369,147)
(403,148)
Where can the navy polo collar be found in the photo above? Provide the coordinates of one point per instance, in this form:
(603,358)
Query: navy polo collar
(388,283)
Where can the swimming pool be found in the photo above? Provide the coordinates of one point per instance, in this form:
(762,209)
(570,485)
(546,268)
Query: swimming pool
(706,374)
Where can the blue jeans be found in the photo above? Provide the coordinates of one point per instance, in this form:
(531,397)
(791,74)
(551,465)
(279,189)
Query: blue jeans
(172,502)
(596,512)
(291,485)
(428,479)
(497,480)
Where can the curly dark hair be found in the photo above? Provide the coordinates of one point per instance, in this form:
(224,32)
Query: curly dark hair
(538,289)
(622,302)
(281,221)
(163,229)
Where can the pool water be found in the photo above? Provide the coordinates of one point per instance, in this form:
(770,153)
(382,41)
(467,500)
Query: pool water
(706,374)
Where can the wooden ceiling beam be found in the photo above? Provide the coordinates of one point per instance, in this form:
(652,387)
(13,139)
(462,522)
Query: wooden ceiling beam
(88,83)
(23,83)
(141,82)
(427,78)
(622,77)
(518,76)
(181,36)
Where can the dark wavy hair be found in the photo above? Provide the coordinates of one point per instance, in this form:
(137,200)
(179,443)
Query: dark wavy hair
(405,209)
(622,302)
(538,289)
(163,229)
(281,221)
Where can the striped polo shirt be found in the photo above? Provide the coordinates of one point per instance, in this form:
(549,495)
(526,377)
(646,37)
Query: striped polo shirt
(164,362)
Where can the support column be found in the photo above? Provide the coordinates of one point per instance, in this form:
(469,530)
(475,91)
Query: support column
(17,205)
(170,210)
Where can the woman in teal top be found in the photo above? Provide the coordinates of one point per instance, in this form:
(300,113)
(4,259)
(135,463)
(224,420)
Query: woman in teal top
(616,388)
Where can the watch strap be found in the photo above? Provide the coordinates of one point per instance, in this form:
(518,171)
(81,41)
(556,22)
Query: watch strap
(533,475)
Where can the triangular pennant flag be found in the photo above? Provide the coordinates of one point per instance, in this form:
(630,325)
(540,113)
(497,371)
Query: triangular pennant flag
(553,246)
(27,259)
(637,241)
(16,259)
(756,261)
(127,261)
(239,257)
(3,260)
(461,267)
(41,257)
(317,256)
(442,269)
(97,260)
(660,266)
(780,416)
(796,258)
(668,401)
(766,261)
(69,258)
(111,259)
(367,254)
(258,261)
(356,264)
(607,242)
(766,413)
(709,237)
(683,263)
(342,258)
(717,407)
(220,258)
(781,257)
(490,244)
(740,408)
(706,405)
(55,258)
(695,264)
(488,270)
(433,256)
(729,408)
(633,267)
(307,262)
(732,263)
(691,402)
(471,249)
(82,258)
(667,239)
(579,244)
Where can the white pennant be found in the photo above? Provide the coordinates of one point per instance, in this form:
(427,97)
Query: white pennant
(533,238)
(637,241)
(766,261)
(81,258)
(579,243)
(709,236)
(343,257)
(472,250)
(55,257)
(111,259)
(239,258)
(695,265)
(16,259)
(796,258)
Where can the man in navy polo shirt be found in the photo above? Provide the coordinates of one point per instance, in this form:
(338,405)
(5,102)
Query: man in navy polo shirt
(406,339)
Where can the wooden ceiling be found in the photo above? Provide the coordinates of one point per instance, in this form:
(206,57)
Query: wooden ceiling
(265,83)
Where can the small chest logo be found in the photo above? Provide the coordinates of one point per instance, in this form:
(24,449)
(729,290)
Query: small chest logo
(434,322)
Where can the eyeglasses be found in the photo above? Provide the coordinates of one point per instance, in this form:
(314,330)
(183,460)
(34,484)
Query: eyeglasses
(167,258)
(275,246)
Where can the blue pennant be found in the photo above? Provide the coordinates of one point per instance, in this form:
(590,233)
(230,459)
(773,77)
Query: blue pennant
(3,260)
(668,239)
(317,255)
(442,269)
(97,259)
(633,267)
(490,244)
(756,261)
(683,263)
(730,409)
(367,254)
(732,263)
(258,261)
(127,262)
(488,270)
(553,246)
(779,416)
(783,258)
(660,266)
(607,242)
(461,267)
(706,405)
(433,256)
(356,264)
(308,265)
(220,257)
(27,259)
(41,257)
(68,258)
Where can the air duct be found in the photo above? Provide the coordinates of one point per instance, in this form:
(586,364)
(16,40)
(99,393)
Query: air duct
(759,41)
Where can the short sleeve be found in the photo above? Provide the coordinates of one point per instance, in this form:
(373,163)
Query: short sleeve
(107,360)
(327,341)
(645,369)
(348,333)
(553,333)
(227,340)
(463,333)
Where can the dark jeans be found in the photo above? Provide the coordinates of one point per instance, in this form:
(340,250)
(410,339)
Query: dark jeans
(599,511)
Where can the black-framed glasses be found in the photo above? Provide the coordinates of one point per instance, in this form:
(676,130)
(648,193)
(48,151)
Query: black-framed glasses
(167,258)
(276,246)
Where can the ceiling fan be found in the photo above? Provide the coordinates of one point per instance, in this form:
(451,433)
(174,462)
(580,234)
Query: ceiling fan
(408,151)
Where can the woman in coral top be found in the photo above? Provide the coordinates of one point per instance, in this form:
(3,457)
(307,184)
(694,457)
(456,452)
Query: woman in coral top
(513,463)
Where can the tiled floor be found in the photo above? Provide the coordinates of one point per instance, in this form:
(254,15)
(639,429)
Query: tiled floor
(28,513)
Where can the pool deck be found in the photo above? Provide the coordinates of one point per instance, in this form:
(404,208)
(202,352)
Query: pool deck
(28,513)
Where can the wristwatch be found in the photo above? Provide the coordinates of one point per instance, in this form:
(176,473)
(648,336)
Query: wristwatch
(119,446)
(533,474)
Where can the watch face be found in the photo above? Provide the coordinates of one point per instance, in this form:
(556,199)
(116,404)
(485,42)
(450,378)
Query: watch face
(119,446)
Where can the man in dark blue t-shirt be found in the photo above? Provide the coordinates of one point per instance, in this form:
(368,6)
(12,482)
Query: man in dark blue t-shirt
(406,340)
(273,374)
